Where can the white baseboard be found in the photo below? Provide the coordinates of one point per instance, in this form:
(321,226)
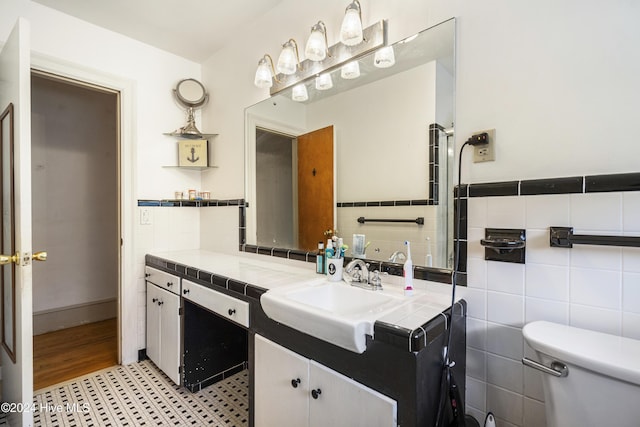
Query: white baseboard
(75,315)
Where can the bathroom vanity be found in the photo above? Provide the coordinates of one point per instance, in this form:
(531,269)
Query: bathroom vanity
(296,378)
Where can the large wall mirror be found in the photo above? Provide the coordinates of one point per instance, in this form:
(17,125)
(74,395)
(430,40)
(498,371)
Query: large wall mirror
(381,161)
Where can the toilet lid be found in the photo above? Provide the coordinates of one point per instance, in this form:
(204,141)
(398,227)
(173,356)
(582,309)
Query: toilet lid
(611,355)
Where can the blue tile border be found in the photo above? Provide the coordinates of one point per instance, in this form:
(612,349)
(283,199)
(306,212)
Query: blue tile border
(191,203)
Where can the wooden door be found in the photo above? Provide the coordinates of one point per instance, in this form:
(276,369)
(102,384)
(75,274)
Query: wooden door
(315,187)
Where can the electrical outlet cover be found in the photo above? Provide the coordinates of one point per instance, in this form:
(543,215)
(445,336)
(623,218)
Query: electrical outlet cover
(485,152)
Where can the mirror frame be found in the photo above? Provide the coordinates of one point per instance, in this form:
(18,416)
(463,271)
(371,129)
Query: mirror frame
(8,292)
(187,102)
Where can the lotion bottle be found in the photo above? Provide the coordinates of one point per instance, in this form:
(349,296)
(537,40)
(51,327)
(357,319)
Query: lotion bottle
(408,271)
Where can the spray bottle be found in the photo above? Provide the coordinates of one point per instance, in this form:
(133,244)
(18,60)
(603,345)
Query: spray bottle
(408,271)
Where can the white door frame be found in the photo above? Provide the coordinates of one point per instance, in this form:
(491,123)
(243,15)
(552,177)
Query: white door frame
(127,288)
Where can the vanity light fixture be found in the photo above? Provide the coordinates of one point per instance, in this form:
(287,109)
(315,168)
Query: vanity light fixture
(324,82)
(300,93)
(317,47)
(289,60)
(385,57)
(351,30)
(350,70)
(265,72)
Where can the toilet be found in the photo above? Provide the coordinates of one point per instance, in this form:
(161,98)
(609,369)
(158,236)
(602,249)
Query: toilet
(602,382)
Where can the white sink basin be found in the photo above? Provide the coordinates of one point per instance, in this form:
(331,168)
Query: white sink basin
(332,311)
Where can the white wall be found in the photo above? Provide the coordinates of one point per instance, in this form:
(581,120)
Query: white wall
(149,75)
(558,82)
(75,197)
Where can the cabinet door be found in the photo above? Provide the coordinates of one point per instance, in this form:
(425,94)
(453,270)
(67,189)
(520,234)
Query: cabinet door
(153,323)
(170,337)
(277,401)
(337,400)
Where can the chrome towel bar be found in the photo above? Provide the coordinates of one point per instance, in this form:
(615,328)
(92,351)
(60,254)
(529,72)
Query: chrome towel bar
(557,369)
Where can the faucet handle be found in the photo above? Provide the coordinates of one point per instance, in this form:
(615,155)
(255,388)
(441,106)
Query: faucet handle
(376,281)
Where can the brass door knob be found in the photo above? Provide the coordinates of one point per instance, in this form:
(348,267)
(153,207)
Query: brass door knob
(8,259)
(40,256)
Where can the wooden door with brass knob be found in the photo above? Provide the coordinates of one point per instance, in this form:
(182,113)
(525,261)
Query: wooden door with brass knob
(15,230)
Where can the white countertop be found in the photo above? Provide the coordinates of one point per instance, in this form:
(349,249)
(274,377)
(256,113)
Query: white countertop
(428,301)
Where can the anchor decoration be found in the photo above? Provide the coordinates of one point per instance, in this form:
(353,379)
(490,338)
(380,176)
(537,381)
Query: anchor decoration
(193,153)
(193,157)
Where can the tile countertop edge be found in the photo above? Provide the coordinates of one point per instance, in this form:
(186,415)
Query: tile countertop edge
(411,327)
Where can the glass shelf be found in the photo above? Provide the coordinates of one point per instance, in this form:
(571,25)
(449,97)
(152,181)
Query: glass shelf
(192,168)
(190,136)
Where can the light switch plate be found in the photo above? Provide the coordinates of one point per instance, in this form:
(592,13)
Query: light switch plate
(145,216)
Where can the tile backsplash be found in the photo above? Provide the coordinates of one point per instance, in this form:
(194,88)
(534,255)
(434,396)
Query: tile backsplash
(592,287)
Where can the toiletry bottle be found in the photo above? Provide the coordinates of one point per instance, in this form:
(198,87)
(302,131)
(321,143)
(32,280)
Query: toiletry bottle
(320,259)
(428,261)
(408,271)
(329,252)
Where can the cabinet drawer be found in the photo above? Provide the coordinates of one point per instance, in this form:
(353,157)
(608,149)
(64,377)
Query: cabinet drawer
(164,280)
(222,304)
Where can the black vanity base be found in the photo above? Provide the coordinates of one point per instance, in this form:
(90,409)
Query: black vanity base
(214,348)
(413,379)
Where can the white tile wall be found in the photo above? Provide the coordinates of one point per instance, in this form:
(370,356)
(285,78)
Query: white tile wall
(170,229)
(588,286)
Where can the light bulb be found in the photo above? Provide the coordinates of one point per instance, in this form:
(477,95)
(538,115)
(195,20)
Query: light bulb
(324,82)
(263,74)
(384,57)
(288,59)
(351,29)
(350,70)
(299,93)
(316,48)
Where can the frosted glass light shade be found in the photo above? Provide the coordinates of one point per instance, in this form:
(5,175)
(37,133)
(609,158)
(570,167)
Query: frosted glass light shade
(350,70)
(288,59)
(324,82)
(351,29)
(263,75)
(316,48)
(299,93)
(385,57)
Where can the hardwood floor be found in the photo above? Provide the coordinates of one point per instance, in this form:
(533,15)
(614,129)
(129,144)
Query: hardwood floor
(62,355)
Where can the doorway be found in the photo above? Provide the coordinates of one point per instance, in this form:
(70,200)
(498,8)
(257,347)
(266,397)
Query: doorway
(75,186)
(294,188)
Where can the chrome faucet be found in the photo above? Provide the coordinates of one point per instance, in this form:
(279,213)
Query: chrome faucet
(397,255)
(358,273)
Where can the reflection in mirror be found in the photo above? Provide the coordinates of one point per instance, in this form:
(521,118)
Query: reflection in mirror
(388,164)
(7,236)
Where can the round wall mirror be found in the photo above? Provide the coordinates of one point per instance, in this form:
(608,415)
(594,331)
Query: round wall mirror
(191,93)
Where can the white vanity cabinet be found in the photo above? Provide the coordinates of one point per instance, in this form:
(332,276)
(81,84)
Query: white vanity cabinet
(294,391)
(163,322)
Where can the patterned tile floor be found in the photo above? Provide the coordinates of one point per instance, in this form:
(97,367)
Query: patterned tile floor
(141,395)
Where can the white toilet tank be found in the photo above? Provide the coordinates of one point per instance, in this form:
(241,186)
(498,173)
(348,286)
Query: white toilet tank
(602,387)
